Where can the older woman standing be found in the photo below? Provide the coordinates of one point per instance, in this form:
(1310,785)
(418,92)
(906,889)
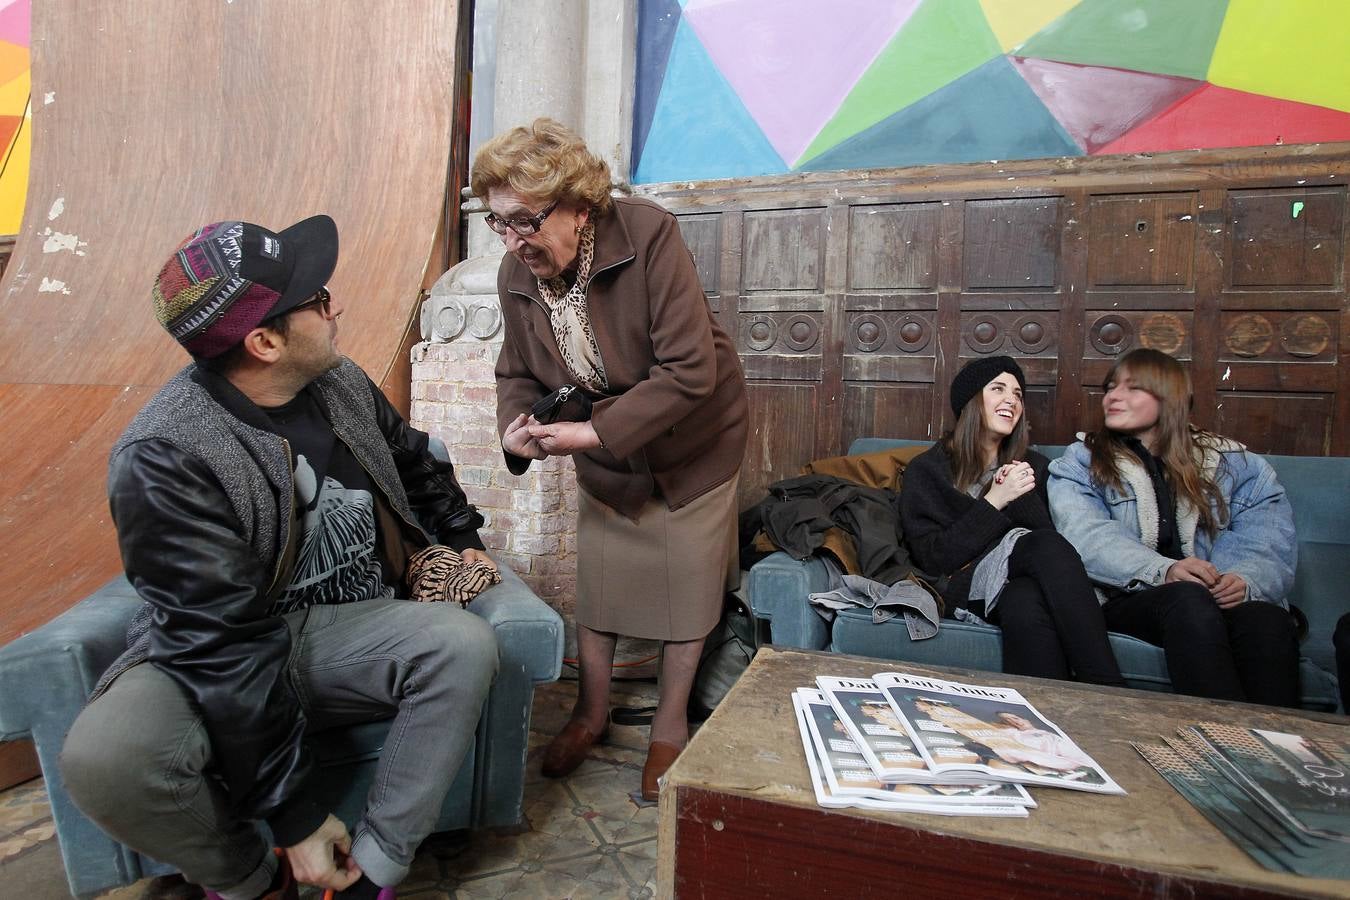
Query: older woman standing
(601,293)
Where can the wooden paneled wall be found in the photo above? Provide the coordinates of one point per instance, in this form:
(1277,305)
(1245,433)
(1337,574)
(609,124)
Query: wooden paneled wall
(854,297)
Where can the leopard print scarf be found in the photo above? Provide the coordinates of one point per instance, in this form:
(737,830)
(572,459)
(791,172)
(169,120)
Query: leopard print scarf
(571,320)
(440,573)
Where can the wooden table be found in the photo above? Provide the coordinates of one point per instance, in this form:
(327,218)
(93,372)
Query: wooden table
(739,818)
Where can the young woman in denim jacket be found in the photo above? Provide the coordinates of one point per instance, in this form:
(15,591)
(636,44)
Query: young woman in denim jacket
(1189,537)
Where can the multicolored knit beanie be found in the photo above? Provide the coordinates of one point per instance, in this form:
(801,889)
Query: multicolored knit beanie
(227,278)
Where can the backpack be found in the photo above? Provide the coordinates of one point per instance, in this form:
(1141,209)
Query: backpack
(726,654)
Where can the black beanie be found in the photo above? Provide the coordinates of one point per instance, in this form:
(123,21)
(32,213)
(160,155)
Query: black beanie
(979,372)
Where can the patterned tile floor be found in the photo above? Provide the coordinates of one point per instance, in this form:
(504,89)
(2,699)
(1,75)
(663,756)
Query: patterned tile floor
(588,836)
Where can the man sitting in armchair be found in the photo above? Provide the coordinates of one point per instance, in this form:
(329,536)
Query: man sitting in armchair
(268,502)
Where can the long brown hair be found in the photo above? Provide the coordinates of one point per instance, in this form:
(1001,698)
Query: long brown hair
(1177,443)
(965,442)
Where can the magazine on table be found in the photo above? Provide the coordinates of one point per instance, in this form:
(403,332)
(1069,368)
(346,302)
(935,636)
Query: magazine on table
(1304,782)
(1216,805)
(1189,748)
(1267,831)
(972,732)
(881,737)
(848,774)
(842,780)
(1295,850)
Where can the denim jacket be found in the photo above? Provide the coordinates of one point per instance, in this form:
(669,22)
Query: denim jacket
(1116,532)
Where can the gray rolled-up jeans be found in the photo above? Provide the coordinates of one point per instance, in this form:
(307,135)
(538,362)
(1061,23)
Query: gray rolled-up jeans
(138,761)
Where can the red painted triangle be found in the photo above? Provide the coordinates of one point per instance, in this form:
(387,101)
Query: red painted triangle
(1220,117)
(1096,104)
(9,125)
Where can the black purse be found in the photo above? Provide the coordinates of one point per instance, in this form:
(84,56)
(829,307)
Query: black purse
(568,403)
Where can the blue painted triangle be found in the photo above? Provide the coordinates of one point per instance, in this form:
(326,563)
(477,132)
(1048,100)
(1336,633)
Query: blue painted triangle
(988,113)
(701,129)
(657,22)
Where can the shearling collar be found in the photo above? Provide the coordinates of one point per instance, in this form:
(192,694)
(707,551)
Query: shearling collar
(1133,473)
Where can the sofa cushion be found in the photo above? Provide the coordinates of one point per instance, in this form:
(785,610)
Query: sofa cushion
(981,647)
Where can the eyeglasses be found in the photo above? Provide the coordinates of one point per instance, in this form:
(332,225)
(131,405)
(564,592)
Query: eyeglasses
(521,225)
(322,299)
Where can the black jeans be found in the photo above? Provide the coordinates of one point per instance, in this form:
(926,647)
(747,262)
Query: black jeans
(1051,621)
(1246,652)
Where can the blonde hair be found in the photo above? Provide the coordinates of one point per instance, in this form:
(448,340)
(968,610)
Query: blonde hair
(545,160)
(1176,443)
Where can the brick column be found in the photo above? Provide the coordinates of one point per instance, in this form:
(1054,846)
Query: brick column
(531,519)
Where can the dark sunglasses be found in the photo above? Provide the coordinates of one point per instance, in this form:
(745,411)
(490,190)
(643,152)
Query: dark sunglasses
(322,299)
(521,225)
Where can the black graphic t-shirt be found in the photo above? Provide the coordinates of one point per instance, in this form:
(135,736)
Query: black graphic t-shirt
(337,561)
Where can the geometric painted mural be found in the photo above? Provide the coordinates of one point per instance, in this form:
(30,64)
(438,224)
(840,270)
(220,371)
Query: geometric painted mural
(15,113)
(734,88)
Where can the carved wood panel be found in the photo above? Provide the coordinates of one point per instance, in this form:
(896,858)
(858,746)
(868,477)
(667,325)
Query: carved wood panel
(855,297)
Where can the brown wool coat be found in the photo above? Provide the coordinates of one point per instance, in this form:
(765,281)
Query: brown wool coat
(675,419)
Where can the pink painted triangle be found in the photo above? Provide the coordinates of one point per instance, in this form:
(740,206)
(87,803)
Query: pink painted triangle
(15,22)
(1096,104)
(792,95)
(1221,117)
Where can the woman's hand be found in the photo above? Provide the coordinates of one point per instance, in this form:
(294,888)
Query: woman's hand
(517,440)
(1010,482)
(564,438)
(1229,590)
(1193,568)
(473,555)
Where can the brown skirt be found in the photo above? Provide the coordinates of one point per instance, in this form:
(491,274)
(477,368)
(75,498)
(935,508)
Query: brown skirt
(662,577)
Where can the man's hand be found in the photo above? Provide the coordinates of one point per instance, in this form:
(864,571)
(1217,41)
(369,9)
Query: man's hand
(1229,590)
(315,859)
(1192,568)
(473,555)
(517,439)
(562,438)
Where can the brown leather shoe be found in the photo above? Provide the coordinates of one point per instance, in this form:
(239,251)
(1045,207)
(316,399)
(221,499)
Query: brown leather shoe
(659,757)
(568,749)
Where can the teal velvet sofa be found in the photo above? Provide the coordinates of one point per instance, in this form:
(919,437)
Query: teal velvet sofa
(46,675)
(1319,492)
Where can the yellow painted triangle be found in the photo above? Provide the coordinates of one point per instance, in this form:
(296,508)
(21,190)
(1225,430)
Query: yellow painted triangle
(1013,21)
(14,180)
(1294,50)
(14,94)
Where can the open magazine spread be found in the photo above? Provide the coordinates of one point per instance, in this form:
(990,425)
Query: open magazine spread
(843,777)
(1284,799)
(961,733)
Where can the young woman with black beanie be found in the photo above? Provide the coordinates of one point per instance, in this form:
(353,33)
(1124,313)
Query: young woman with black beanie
(973,509)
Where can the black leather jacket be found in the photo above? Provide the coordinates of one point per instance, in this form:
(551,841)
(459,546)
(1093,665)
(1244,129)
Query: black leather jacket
(199,555)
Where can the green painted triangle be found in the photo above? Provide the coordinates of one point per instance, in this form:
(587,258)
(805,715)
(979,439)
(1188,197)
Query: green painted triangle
(1169,37)
(942,41)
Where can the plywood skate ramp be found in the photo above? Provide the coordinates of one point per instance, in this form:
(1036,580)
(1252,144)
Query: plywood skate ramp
(152,117)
